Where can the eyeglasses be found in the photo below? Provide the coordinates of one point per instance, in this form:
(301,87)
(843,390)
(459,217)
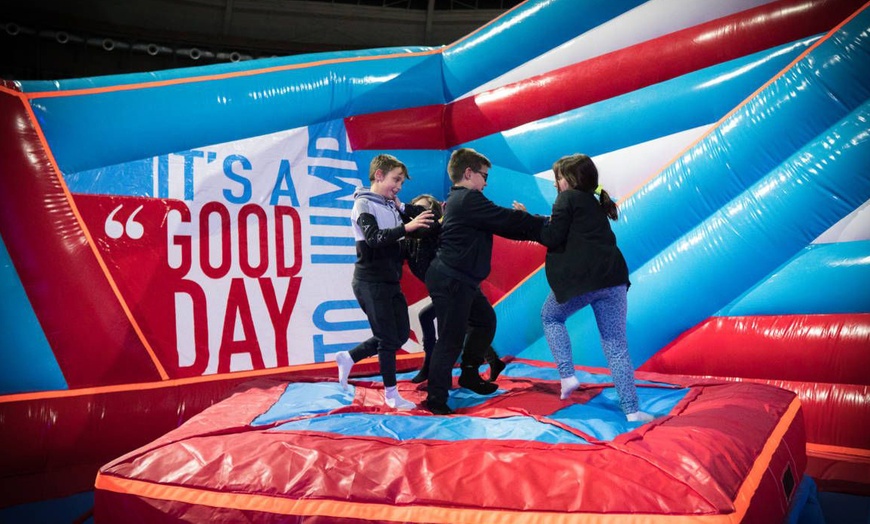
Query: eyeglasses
(481,173)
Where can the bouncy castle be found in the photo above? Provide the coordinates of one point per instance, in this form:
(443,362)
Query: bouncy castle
(177,256)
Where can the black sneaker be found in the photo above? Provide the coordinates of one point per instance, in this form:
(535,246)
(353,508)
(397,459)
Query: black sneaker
(469,379)
(438,408)
(496,366)
(421,376)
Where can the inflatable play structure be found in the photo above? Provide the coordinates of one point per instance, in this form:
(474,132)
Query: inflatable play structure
(177,258)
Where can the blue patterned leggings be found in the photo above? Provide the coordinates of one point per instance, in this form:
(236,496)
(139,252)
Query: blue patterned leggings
(609,306)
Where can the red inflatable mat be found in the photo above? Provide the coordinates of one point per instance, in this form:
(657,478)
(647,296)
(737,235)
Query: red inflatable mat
(725,452)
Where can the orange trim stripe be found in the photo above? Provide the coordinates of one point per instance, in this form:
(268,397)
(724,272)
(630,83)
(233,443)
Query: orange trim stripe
(518,284)
(762,462)
(381,512)
(222,76)
(857,455)
(12,92)
(93,245)
(144,386)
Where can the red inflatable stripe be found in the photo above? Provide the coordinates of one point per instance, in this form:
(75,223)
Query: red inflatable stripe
(599,78)
(59,271)
(803,348)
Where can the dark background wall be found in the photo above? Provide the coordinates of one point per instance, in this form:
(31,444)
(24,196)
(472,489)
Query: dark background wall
(56,39)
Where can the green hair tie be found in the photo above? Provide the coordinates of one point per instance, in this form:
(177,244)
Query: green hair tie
(599,189)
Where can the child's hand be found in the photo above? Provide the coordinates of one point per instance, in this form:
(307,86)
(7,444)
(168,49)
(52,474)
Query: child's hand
(519,206)
(423,220)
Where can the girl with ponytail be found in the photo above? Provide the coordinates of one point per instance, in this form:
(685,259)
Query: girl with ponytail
(585,267)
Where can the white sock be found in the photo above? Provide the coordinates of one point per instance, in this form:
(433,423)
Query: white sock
(395,401)
(639,416)
(345,363)
(569,385)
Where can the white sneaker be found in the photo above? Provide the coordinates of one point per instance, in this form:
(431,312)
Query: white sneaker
(569,385)
(345,363)
(639,416)
(395,400)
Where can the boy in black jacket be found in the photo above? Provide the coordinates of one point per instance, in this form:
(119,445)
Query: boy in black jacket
(420,248)
(461,264)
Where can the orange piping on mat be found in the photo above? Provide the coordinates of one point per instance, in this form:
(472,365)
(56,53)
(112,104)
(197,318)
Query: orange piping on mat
(762,462)
(381,512)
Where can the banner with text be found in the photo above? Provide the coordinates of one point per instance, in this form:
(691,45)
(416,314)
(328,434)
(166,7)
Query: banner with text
(235,256)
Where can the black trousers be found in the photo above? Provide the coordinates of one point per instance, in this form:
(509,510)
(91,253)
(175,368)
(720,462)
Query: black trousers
(427,324)
(465,318)
(387,311)
(427,318)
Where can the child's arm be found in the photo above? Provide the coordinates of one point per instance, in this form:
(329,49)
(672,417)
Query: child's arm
(502,221)
(376,237)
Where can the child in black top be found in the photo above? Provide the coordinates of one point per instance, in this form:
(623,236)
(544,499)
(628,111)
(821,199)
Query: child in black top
(420,248)
(584,267)
(421,245)
(378,226)
(465,316)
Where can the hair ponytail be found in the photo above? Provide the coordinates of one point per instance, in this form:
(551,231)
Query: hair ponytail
(608,205)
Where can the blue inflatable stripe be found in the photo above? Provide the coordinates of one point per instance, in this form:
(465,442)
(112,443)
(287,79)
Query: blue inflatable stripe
(825,86)
(129,179)
(519,319)
(27,362)
(746,240)
(305,399)
(821,279)
(250,66)
(92,130)
(420,427)
(738,246)
(506,186)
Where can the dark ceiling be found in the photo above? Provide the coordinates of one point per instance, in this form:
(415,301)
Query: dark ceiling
(56,39)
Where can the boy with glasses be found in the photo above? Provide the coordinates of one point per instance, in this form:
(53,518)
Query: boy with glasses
(465,316)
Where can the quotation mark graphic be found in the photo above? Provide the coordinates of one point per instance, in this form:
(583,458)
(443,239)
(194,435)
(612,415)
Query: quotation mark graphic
(115,229)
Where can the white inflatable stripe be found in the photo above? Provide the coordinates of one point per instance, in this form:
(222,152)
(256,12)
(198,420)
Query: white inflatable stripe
(854,226)
(624,170)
